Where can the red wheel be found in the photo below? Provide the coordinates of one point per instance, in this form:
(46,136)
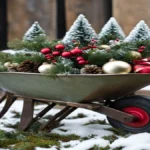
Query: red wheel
(142,115)
(135,105)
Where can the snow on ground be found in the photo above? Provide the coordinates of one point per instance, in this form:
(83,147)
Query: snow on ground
(82,127)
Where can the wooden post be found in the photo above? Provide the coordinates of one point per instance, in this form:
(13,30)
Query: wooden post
(129,12)
(3,24)
(96,11)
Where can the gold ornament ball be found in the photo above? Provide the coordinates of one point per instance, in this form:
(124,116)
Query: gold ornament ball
(46,68)
(116,67)
(135,55)
(104,47)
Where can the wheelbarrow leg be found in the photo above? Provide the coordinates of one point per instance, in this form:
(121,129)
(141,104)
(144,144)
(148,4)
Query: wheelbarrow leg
(3,97)
(27,114)
(54,121)
(43,112)
(9,101)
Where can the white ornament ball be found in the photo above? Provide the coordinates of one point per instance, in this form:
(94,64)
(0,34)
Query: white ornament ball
(116,67)
(7,64)
(45,68)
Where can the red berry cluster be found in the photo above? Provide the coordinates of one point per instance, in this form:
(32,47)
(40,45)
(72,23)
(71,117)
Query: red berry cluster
(59,51)
(75,53)
(50,55)
(141,49)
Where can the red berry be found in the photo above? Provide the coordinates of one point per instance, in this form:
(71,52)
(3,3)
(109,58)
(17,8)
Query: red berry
(117,40)
(84,48)
(60,47)
(66,54)
(142,47)
(82,62)
(45,50)
(89,46)
(79,58)
(55,53)
(140,50)
(94,46)
(76,51)
(48,56)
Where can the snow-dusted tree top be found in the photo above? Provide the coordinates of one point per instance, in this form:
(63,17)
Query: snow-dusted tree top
(112,28)
(33,32)
(80,30)
(140,32)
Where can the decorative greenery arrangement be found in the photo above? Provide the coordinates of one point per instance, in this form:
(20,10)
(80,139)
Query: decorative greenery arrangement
(81,51)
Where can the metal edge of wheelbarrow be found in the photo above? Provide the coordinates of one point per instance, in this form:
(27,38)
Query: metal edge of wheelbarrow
(73,88)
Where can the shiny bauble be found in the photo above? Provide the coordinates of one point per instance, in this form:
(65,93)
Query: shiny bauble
(7,64)
(66,54)
(141,69)
(60,47)
(76,51)
(55,53)
(135,55)
(104,47)
(79,58)
(46,68)
(116,67)
(45,51)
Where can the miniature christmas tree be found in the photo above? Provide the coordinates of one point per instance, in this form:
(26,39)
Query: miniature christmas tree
(111,31)
(80,31)
(33,32)
(139,33)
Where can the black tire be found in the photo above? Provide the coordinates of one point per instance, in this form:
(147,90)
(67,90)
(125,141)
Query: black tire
(133,101)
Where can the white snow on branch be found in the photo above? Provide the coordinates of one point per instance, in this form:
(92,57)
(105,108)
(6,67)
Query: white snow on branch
(140,32)
(80,30)
(34,31)
(112,28)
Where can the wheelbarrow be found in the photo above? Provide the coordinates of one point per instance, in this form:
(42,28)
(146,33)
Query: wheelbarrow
(109,94)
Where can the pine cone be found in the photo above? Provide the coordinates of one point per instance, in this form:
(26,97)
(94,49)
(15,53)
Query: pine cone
(26,66)
(91,69)
(36,66)
(29,66)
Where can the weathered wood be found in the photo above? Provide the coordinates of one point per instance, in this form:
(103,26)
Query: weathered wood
(9,101)
(22,14)
(96,11)
(129,12)
(27,114)
(42,113)
(3,97)
(3,24)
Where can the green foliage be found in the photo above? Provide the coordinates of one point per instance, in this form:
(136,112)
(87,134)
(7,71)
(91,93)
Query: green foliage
(20,57)
(118,131)
(4,57)
(105,39)
(110,138)
(97,57)
(96,147)
(29,140)
(36,45)
(96,122)
(80,115)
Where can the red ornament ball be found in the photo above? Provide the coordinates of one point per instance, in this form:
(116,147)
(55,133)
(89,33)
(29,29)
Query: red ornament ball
(66,54)
(76,51)
(60,47)
(45,51)
(56,53)
(82,62)
(79,58)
